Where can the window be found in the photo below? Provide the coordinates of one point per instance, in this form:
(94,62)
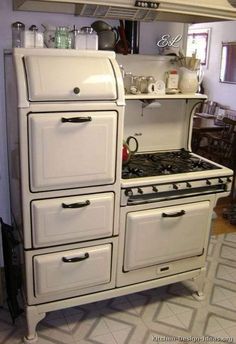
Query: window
(198,43)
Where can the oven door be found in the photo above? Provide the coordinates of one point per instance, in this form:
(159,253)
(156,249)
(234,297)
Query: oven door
(165,234)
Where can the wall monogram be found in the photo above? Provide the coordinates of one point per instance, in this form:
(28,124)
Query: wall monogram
(168,41)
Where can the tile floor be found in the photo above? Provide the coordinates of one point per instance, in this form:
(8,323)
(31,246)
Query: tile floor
(150,316)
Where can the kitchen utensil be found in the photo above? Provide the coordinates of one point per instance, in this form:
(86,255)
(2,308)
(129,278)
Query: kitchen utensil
(122,46)
(127,152)
(49,35)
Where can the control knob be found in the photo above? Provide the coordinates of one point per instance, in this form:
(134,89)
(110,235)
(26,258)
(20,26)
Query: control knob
(175,187)
(188,185)
(155,189)
(128,192)
(140,191)
(208,182)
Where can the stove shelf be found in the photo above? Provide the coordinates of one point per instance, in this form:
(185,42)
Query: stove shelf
(165,96)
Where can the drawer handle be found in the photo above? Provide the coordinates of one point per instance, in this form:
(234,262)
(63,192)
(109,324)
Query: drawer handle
(178,214)
(75,259)
(76,205)
(76,119)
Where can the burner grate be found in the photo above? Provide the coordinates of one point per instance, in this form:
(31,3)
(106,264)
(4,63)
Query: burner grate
(166,163)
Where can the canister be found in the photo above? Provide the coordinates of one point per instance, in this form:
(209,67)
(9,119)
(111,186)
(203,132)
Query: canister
(86,39)
(18,29)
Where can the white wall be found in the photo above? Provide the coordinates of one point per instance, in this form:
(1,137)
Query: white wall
(150,33)
(217,91)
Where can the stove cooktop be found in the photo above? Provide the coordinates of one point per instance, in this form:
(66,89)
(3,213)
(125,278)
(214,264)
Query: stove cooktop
(165,163)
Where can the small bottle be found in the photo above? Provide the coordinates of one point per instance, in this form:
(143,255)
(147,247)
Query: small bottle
(172,80)
(18,29)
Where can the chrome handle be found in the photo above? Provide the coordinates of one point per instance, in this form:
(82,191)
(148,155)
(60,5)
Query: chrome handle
(178,214)
(76,119)
(75,259)
(76,205)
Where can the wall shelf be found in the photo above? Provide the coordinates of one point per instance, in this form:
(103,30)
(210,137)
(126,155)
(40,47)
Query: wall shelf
(166,96)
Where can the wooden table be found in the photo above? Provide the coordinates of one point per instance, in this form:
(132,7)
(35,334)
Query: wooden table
(203,124)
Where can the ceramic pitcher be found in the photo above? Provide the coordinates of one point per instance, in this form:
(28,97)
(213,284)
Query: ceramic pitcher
(188,81)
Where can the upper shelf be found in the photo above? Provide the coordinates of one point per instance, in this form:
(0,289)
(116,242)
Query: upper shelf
(166,96)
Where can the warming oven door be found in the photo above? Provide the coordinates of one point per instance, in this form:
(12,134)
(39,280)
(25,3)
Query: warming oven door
(68,150)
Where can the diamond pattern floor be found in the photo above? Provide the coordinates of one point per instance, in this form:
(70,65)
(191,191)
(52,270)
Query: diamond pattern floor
(168,314)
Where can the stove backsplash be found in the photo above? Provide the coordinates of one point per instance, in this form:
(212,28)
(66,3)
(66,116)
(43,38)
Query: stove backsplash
(164,128)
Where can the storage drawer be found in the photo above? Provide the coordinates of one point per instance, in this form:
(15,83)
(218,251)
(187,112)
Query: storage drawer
(165,234)
(61,272)
(84,78)
(72,219)
(69,150)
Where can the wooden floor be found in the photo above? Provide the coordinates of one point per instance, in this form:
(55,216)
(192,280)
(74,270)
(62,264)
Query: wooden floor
(220,224)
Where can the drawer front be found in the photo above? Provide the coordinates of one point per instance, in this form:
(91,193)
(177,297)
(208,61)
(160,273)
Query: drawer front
(61,272)
(72,219)
(65,153)
(166,234)
(48,79)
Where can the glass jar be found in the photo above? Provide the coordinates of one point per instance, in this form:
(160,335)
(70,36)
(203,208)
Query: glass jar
(62,38)
(143,84)
(18,29)
(128,82)
(86,38)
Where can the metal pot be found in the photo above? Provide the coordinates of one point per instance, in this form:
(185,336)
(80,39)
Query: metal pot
(100,25)
(107,39)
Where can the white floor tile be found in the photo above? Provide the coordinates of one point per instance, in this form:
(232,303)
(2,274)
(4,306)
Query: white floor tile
(122,336)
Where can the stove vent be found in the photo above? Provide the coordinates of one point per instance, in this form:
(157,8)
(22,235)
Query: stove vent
(185,11)
(114,12)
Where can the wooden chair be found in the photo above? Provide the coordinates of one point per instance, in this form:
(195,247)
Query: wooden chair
(221,146)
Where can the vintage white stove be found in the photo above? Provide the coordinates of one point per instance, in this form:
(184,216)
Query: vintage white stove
(91,229)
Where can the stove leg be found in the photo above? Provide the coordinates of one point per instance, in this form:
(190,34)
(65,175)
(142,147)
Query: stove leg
(200,281)
(33,318)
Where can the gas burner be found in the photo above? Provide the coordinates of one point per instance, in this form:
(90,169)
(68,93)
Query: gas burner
(199,164)
(164,163)
(132,172)
(167,169)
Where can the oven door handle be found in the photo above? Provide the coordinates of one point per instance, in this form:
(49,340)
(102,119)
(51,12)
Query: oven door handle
(75,259)
(76,119)
(178,214)
(76,205)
